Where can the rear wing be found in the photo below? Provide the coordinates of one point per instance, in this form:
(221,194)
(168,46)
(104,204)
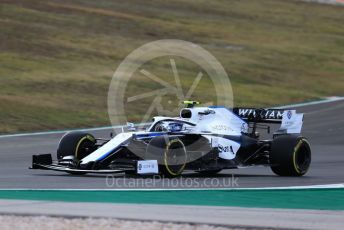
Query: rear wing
(291,122)
(260,115)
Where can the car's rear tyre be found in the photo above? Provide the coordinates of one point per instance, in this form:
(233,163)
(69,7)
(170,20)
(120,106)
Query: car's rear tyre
(77,144)
(290,155)
(170,153)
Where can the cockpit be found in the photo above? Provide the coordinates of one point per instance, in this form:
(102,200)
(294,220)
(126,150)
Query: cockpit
(168,126)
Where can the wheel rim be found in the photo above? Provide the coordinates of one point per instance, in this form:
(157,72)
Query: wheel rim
(175,157)
(302,157)
(84,147)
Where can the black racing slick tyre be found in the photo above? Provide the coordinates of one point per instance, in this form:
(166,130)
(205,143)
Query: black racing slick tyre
(170,153)
(290,155)
(77,144)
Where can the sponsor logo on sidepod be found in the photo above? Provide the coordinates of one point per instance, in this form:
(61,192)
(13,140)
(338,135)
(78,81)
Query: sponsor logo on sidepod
(289,114)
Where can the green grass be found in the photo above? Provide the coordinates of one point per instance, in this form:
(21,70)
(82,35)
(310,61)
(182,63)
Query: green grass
(57,57)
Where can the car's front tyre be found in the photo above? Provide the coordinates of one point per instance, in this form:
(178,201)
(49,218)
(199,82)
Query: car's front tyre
(77,144)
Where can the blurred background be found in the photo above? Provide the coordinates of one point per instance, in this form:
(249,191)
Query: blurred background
(57,58)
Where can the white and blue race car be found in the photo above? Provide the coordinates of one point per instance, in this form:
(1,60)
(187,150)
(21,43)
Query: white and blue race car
(202,139)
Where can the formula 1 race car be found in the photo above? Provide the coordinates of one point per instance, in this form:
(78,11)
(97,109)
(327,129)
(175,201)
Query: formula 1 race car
(202,139)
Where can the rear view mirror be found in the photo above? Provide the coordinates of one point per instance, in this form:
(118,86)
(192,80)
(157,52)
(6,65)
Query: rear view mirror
(131,126)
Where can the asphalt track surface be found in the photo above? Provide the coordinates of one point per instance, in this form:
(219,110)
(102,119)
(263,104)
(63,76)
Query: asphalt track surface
(323,126)
(228,217)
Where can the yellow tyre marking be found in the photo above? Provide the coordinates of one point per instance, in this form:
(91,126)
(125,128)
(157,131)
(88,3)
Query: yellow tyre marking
(165,158)
(296,167)
(79,143)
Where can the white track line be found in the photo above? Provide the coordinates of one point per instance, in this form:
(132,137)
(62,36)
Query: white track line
(57,132)
(326,186)
(325,100)
(67,130)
